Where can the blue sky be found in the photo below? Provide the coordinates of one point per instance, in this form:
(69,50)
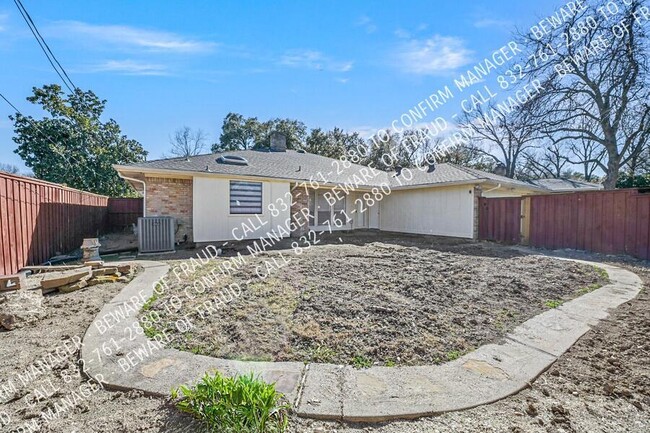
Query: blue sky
(164,64)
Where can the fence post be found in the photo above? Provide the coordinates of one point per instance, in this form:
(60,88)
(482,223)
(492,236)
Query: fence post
(525,220)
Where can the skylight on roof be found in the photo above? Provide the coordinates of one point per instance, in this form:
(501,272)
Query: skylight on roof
(232,160)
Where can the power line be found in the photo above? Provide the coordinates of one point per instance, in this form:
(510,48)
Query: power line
(54,145)
(45,47)
(10,104)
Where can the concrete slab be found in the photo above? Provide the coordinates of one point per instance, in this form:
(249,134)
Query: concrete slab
(488,374)
(143,284)
(322,390)
(553,332)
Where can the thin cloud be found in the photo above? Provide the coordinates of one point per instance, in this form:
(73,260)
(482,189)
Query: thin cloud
(493,23)
(365,131)
(367,24)
(310,59)
(130,37)
(128,67)
(402,34)
(438,54)
(343,80)
(3,21)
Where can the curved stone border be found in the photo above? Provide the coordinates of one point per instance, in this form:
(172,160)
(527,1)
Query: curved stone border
(336,392)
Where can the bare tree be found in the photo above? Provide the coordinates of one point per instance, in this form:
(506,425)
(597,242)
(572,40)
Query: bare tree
(9,168)
(502,136)
(640,164)
(549,162)
(186,143)
(594,74)
(588,155)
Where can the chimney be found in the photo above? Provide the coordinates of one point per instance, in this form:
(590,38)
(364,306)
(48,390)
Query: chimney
(500,169)
(432,168)
(278,142)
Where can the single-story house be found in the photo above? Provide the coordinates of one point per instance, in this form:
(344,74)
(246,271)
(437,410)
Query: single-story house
(247,194)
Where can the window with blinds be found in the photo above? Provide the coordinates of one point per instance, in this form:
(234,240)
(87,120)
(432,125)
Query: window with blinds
(245,197)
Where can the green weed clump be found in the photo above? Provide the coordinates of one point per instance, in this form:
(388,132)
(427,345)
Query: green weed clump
(360,361)
(240,404)
(553,303)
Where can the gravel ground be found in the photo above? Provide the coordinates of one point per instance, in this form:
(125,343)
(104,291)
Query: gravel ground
(372,299)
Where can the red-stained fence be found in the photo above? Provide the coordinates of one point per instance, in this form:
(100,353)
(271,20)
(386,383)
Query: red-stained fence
(123,212)
(610,222)
(500,219)
(39,219)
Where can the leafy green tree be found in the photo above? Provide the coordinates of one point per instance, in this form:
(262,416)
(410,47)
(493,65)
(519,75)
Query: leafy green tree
(241,133)
(332,144)
(238,133)
(294,130)
(386,152)
(626,180)
(74,146)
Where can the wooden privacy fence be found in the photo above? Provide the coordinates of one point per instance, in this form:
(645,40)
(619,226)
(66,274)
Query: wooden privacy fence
(609,222)
(500,219)
(123,212)
(39,219)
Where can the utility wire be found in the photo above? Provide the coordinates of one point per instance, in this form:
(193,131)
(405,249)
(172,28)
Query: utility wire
(45,47)
(54,145)
(10,104)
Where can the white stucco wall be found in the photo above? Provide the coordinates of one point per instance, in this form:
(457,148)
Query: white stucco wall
(211,211)
(445,211)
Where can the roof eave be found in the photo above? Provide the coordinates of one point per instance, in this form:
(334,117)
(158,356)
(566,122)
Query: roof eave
(516,185)
(192,173)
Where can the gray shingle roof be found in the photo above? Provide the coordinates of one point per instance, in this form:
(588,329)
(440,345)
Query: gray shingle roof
(299,166)
(563,185)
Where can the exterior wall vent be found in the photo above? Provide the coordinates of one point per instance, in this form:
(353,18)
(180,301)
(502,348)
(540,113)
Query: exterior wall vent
(156,234)
(232,160)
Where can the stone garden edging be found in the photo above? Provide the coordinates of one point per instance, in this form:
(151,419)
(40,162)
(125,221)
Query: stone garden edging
(337,392)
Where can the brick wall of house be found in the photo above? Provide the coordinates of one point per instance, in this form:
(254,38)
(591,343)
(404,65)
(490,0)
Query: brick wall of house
(299,201)
(172,197)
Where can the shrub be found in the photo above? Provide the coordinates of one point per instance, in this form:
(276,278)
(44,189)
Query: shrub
(240,404)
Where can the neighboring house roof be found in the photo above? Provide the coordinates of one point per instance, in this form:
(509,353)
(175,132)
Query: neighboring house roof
(566,185)
(299,166)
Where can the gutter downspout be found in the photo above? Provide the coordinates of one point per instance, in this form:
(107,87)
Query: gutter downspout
(492,189)
(144,192)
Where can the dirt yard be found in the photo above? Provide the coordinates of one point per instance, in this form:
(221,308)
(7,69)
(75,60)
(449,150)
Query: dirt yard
(601,385)
(40,372)
(387,300)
